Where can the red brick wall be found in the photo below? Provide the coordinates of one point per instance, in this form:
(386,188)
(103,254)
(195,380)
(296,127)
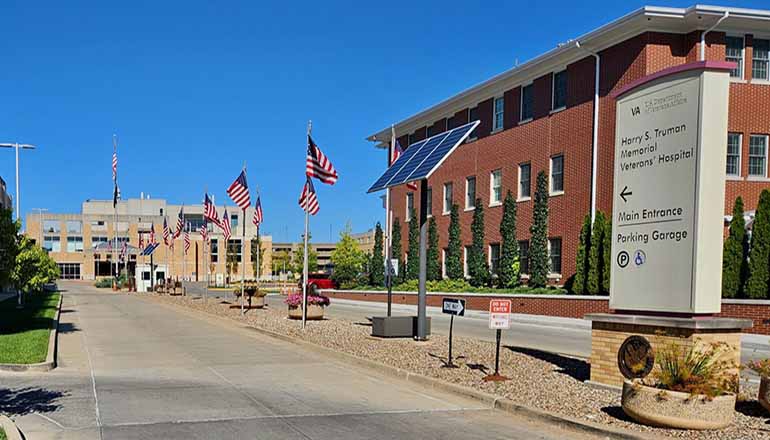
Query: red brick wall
(569,132)
(759,313)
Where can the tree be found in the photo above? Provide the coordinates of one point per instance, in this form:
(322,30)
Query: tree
(281,261)
(596,272)
(509,272)
(256,244)
(33,267)
(538,249)
(478,268)
(377,265)
(395,250)
(607,253)
(298,262)
(348,259)
(454,264)
(735,250)
(759,255)
(434,264)
(231,258)
(413,257)
(9,246)
(582,263)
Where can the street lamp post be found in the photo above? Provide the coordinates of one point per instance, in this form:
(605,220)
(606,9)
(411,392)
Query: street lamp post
(17,146)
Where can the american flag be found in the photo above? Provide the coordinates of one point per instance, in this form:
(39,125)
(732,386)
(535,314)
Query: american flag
(186,241)
(166,232)
(318,165)
(124,250)
(308,199)
(141,241)
(114,159)
(179,223)
(226,225)
(239,191)
(204,232)
(152,233)
(210,211)
(257,213)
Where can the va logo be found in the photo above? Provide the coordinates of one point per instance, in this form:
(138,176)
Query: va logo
(635,111)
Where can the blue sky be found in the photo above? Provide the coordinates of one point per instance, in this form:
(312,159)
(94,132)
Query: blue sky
(194,89)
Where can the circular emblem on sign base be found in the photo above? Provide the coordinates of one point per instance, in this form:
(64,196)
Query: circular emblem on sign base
(635,357)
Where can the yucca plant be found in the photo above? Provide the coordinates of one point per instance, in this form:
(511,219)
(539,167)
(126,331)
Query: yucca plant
(699,369)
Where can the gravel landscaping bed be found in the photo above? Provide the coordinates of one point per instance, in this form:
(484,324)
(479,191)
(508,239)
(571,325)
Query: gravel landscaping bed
(541,380)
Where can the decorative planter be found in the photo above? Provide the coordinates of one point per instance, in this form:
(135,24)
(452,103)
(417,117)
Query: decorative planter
(314,312)
(764,392)
(258,301)
(671,409)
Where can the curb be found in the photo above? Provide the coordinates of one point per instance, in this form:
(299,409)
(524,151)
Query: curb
(50,358)
(493,401)
(12,431)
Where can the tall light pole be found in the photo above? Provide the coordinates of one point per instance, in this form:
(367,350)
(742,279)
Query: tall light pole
(40,212)
(17,146)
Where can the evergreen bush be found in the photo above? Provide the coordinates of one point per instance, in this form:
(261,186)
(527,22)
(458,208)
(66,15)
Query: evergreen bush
(377,259)
(396,252)
(478,268)
(734,262)
(509,273)
(454,265)
(596,256)
(413,257)
(434,264)
(759,255)
(539,234)
(580,282)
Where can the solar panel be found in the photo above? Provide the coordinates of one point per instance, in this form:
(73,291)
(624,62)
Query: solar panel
(420,160)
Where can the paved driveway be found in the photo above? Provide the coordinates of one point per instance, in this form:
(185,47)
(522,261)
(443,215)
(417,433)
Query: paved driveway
(131,369)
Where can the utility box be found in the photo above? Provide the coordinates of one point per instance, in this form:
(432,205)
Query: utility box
(396,326)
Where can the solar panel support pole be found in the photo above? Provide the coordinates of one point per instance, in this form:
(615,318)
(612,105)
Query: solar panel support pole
(421,291)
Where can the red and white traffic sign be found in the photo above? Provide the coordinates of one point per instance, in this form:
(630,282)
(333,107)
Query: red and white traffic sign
(500,314)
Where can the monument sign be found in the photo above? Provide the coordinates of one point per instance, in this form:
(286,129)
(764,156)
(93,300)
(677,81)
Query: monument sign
(669,192)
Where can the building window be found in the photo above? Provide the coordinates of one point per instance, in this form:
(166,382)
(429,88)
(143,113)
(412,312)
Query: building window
(447,198)
(497,123)
(559,90)
(234,248)
(74,244)
(494,258)
(557,174)
(733,154)
(233,221)
(554,255)
(51,226)
(443,262)
(496,187)
(429,201)
(760,59)
(74,227)
(69,271)
(734,53)
(214,250)
(470,193)
(196,221)
(96,240)
(409,205)
(466,251)
(524,257)
(473,115)
(527,102)
(758,156)
(51,243)
(525,171)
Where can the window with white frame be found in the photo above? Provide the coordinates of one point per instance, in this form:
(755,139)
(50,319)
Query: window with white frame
(734,53)
(557,174)
(733,154)
(52,226)
(758,155)
(443,262)
(74,227)
(235,249)
(495,187)
(466,252)
(470,192)
(447,198)
(429,201)
(52,243)
(525,175)
(409,205)
(74,244)
(559,100)
(97,239)
(760,60)
(527,102)
(554,255)
(494,258)
(214,251)
(498,120)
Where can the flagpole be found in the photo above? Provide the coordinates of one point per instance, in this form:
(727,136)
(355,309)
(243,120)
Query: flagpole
(304,263)
(186,229)
(115,214)
(259,245)
(167,242)
(243,247)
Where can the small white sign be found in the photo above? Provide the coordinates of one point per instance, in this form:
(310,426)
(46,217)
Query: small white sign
(393,267)
(500,314)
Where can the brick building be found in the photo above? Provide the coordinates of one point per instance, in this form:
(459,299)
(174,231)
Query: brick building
(540,116)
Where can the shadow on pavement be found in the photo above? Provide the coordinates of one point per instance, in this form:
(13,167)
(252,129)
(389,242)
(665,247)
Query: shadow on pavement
(67,327)
(575,368)
(617,412)
(27,400)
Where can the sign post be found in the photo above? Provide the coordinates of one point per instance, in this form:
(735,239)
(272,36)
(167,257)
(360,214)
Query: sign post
(499,320)
(452,307)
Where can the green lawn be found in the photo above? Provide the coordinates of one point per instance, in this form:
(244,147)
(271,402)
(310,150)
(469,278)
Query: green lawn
(24,333)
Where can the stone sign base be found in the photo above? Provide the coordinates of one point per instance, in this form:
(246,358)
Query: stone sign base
(609,330)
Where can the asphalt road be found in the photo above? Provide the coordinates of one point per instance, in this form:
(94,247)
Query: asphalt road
(131,369)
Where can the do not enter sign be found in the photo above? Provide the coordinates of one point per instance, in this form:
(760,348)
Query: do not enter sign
(500,314)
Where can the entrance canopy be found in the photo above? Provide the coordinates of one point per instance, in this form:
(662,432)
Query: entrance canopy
(423,158)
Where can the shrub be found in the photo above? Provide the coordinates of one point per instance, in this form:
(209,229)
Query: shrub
(103,283)
(478,269)
(347,258)
(433,263)
(538,249)
(735,251)
(413,256)
(454,264)
(761,367)
(509,273)
(377,266)
(698,369)
(395,249)
(759,255)
(596,272)
(580,282)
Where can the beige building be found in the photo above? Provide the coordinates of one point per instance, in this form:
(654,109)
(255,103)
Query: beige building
(5,199)
(86,245)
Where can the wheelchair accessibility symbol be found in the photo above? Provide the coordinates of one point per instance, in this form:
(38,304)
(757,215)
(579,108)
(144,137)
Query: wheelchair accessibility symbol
(639,257)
